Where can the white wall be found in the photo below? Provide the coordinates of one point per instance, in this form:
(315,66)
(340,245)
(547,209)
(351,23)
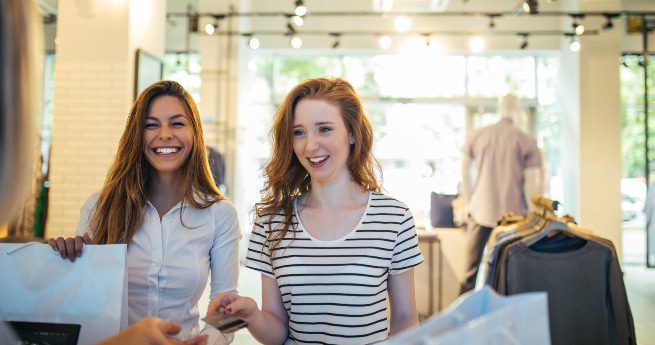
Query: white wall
(94,78)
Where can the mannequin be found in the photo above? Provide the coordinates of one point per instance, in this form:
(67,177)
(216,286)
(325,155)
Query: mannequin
(509,107)
(511,169)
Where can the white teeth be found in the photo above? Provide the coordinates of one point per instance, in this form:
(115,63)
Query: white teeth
(166,150)
(317,159)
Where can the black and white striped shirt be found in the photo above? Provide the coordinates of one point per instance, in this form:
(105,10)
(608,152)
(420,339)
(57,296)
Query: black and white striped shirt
(335,292)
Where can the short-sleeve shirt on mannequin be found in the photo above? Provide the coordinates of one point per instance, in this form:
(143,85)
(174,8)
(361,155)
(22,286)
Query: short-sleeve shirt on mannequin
(501,153)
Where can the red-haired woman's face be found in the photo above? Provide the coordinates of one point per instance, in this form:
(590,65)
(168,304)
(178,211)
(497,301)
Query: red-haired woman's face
(321,140)
(168,135)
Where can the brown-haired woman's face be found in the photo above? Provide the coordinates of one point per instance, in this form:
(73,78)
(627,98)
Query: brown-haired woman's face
(321,140)
(167,135)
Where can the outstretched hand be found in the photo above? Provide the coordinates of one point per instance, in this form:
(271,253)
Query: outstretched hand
(152,331)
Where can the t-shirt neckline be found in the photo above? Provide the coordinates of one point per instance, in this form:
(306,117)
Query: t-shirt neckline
(340,239)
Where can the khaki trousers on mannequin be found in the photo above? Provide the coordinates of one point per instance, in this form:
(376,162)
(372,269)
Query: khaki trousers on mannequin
(477,236)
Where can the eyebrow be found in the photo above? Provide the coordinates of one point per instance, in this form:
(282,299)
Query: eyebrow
(317,124)
(169,119)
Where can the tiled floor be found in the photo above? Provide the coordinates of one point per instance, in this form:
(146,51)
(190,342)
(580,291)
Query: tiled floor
(640,284)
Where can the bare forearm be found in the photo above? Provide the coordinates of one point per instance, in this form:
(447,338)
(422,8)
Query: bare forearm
(267,328)
(400,324)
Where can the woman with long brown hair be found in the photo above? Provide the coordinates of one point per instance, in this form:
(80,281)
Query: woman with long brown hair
(329,244)
(160,199)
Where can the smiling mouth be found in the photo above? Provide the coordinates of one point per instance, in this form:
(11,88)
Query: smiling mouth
(317,161)
(166,151)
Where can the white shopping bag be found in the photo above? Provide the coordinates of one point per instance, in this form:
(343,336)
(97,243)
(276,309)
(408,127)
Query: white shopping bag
(485,318)
(38,285)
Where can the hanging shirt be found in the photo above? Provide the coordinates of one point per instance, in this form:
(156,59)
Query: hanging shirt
(168,262)
(501,153)
(587,303)
(335,292)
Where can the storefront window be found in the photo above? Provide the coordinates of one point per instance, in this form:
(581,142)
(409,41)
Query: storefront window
(494,76)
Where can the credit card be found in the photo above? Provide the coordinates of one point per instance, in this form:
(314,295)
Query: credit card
(222,322)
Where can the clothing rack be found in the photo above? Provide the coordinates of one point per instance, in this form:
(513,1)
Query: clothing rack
(575,266)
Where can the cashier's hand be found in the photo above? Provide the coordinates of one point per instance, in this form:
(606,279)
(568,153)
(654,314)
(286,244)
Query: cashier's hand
(152,331)
(69,248)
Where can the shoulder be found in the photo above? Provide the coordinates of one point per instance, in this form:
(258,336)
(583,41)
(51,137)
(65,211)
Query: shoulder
(91,202)
(383,200)
(223,209)
(268,217)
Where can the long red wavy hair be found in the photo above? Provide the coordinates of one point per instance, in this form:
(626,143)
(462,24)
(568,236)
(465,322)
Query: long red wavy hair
(286,178)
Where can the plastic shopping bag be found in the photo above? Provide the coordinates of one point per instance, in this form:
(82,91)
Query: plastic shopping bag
(38,285)
(485,318)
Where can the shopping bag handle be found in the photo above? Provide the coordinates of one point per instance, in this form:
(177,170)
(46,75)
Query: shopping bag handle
(24,246)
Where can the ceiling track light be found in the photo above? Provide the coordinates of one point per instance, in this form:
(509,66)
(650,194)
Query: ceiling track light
(290,28)
(523,41)
(492,22)
(609,25)
(296,42)
(337,40)
(428,40)
(210,28)
(298,20)
(574,45)
(253,41)
(301,9)
(530,6)
(578,27)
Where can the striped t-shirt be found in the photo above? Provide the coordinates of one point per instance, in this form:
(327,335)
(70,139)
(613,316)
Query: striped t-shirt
(335,292)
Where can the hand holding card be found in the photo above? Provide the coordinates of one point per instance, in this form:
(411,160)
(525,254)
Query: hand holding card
(224,323)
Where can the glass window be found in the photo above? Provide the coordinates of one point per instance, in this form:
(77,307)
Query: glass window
(184,68)
(494,76)
(421,75)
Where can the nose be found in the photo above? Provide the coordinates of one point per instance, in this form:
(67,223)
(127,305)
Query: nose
(165,132)
(312,142)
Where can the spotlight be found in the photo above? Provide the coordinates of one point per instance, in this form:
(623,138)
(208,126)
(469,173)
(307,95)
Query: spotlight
(253,43)
(403,24)
(301,9)
(577,27)
(290,28)
(210,28)
(193,23)
(608,25)
(337,40)
(384,42)
(477,44)
(296,42)
(530,6)
(574,45)
(428,40)
(492,22)
(523,41)
(298,20)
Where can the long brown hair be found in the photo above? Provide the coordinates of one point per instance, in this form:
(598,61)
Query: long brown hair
(286,178)
(120,208)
